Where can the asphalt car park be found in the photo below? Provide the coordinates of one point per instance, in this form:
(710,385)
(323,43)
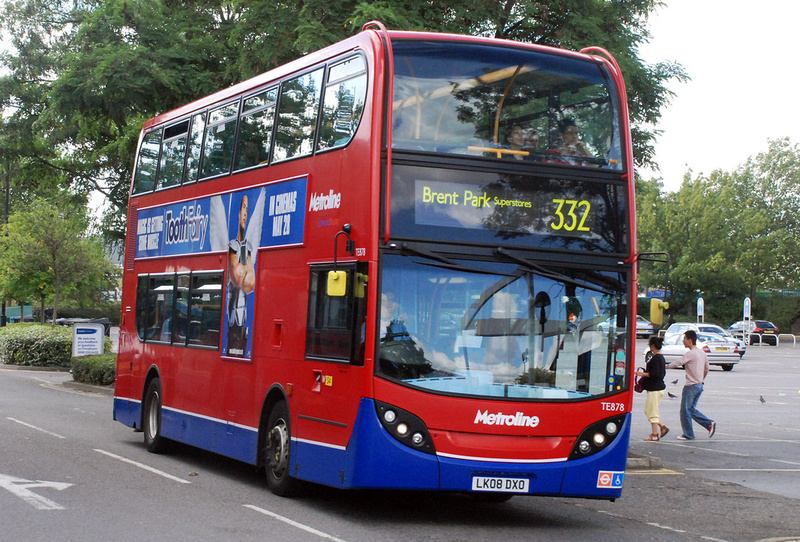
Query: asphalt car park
(757,438)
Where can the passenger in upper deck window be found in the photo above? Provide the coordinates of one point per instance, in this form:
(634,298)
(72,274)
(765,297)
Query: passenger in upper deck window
(571,144)
(531,140)
(516,140)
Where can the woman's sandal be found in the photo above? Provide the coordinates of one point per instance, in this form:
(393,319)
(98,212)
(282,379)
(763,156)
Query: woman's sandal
(652,438)
(664,431)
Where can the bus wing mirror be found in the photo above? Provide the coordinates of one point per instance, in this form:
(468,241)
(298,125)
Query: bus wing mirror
(337,283)
(360,286)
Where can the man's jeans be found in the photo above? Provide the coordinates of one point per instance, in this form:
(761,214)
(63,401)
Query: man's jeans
(689,412)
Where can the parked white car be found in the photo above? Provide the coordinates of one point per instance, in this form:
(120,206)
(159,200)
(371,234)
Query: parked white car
(702,327)
(720,351)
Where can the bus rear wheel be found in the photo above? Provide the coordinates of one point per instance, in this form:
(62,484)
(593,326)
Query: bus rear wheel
(151,418)
(277,452)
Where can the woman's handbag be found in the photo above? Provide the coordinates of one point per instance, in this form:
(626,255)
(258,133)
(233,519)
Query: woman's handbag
(637,386)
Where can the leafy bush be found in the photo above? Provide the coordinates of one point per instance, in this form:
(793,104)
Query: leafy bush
(36,345)
(98,369)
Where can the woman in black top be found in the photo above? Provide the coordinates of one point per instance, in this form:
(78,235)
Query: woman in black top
(652,380)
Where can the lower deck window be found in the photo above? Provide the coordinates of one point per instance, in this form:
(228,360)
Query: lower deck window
(183,309)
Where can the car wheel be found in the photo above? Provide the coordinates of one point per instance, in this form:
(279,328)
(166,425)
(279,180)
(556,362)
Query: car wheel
(727,367)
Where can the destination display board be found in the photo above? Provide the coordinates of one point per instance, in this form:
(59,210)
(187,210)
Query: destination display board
(509,209)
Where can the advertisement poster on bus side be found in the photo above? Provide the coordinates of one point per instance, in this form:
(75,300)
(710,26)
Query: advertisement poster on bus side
(239,223)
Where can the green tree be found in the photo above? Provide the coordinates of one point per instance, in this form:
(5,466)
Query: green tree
(728,234)
(88,73)
(46,256)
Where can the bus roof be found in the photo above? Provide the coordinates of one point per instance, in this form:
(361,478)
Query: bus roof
(361,40)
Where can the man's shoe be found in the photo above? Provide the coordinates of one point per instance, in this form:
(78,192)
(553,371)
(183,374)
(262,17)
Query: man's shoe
(712,429)
(681,437)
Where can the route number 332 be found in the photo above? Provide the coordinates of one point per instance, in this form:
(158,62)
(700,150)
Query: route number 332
(571,215)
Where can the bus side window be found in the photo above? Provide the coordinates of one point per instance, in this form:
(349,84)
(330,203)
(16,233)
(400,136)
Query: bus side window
(194,147)
(181,309)
(220,136)
(336,324)
(147,165)
(297,116)
(205,310)
(173,154)
(141,306)
(255,130)
(343,104)
(160,308)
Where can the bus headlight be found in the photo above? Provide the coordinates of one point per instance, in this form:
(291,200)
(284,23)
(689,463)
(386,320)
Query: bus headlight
(596,437)
(405,427)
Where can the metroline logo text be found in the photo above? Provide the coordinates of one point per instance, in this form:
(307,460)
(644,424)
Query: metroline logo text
(519,419)
(322,202)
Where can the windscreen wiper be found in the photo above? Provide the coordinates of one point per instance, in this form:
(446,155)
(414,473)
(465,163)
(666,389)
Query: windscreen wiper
(447,263)
(551,274)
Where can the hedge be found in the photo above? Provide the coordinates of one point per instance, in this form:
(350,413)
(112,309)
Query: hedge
(39,345)
(36,345)
(98,369)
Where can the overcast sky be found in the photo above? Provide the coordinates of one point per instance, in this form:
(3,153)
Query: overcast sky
(742,58)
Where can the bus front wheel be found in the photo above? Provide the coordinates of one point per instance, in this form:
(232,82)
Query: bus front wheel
(151,419)
(277,452)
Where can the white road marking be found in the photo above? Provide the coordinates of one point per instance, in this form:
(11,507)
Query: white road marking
(293,523)
(22,489)
(34,427)
(143,466)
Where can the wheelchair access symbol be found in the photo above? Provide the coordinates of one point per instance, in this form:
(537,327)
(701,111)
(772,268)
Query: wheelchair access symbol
(610,479)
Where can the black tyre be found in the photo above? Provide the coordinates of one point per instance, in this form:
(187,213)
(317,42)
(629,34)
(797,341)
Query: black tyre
(277,452)
(151,418)
(727,367)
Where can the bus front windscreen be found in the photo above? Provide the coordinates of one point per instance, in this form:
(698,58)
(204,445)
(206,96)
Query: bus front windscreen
(505,103)
(501,329)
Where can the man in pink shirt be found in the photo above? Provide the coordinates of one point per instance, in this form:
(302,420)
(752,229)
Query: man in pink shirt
(695,362)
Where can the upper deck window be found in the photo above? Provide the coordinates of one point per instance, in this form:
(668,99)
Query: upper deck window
(147,166)
(173,155)
(297,116)
(504,103)
(220,137)
(343,104)
(255,129)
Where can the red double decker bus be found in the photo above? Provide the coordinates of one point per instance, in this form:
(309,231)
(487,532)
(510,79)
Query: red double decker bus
(403,261)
